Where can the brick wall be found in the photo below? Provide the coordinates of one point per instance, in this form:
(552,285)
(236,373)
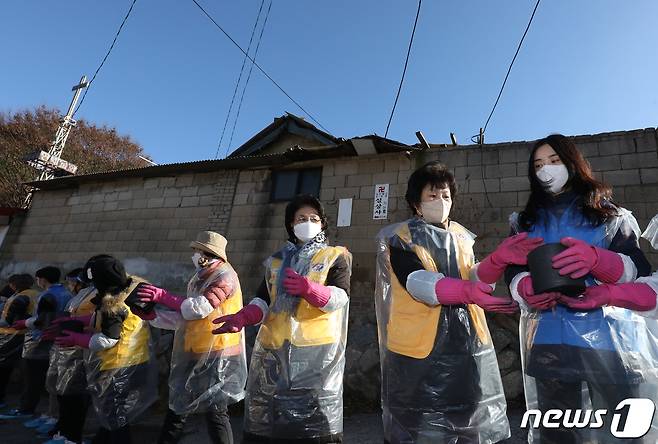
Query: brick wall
(146,222)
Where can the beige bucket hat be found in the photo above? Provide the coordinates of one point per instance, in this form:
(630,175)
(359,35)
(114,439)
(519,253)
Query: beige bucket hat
(211,242)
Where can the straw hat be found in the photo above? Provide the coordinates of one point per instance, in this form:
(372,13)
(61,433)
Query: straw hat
(211,242)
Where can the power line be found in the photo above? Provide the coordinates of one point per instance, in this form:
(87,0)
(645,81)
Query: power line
(518,48)
(244,89)
(259,67)
(106,56)
(404,71)
(237,83)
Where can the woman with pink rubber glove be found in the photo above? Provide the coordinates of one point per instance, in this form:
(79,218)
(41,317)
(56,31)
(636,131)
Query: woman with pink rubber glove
(592,339)
(295,383)
(440,377)
(208,372)
(121,369)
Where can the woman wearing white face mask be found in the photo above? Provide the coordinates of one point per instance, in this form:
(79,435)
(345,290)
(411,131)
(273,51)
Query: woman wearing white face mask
(208,372)
(593,339)
(440,378)
(295,385)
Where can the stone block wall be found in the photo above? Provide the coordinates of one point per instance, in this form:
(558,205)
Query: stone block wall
(148,223)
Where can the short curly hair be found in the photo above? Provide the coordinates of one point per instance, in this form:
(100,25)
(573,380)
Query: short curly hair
(433,173)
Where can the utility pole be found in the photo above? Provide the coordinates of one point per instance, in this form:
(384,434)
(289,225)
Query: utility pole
(50,162)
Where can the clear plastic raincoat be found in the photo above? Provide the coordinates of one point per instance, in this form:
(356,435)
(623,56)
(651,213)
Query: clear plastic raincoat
(586,359)
(295,383)
(440,377)
(122,379)
(207,371)
(651,233)
(11,340)
(66,371)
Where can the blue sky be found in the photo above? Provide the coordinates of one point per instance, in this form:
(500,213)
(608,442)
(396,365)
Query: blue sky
(586,66)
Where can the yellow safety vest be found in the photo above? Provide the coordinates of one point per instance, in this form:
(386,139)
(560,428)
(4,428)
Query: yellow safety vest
(198,333)
(309,326)
(85,306)
(32,295)
(412,325)
(132,348)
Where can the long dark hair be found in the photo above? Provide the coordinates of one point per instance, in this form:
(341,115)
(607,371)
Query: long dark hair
(595,196)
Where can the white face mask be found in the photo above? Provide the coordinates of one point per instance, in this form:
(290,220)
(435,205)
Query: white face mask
(553,177)
(435,211)
(306,231)
(197,260)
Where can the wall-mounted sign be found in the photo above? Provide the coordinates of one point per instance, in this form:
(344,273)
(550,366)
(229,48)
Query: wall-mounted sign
(344,212)
(380,206)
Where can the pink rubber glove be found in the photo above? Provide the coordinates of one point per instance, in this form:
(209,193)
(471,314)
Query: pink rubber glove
(513,250)
(50,333)
(151,293)
(19,325)
(451,291)
(233,323)
(73,339)
(297,285)
(638,297)
(582,258)
(543,301)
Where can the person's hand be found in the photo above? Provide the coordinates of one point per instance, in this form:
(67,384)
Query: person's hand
(73,339)
(151,293)
(582,258)
(577,260)
(633,296)
(233,323)
(515,249)
(512,251)
(61,319)
(51,332)
(542,301)
(452,291)
(19,325)
(297,285)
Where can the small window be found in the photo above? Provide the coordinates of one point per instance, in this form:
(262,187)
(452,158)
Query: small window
(287,184)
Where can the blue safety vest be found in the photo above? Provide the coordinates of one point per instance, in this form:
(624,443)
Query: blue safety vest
(586,329)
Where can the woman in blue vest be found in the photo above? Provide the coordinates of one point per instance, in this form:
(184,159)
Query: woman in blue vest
(440,377)
(568,350)
(295,383)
